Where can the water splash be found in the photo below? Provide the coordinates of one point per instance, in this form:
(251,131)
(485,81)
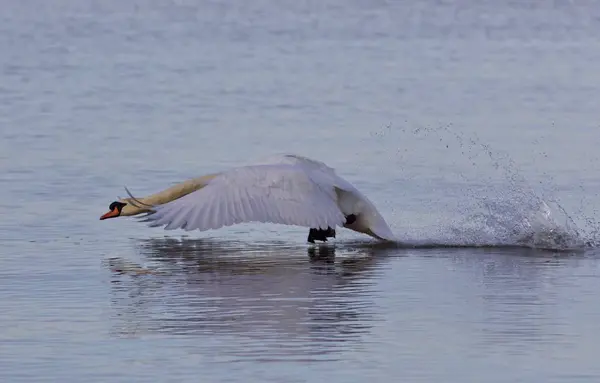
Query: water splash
(498,208)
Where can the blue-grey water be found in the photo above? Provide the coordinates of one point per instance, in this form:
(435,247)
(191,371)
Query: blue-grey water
(473,126)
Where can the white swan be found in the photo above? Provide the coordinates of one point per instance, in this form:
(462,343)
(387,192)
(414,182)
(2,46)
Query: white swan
(287,189)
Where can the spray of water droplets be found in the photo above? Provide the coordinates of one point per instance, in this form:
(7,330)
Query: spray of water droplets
(497,205)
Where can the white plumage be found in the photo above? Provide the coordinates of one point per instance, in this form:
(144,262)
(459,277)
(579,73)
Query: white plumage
(288,189)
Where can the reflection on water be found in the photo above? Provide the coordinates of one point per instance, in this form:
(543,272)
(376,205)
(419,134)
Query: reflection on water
(290,300)
(285,302)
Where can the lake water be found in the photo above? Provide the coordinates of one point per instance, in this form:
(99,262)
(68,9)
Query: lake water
(472,126)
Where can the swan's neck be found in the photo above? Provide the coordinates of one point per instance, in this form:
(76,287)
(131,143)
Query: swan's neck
(174,192)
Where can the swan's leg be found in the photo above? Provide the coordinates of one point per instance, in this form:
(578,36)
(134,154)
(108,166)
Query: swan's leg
(320,234)
(323,234)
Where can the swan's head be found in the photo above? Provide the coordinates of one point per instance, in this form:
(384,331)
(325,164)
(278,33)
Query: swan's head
(119,208)
(114,210)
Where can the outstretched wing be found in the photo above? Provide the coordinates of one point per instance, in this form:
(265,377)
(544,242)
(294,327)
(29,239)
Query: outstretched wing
(283,194)
(295,159)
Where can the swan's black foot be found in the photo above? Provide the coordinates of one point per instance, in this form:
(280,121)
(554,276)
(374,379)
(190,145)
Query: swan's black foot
(320,234)
(323,234)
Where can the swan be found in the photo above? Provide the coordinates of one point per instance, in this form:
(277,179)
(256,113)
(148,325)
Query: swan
(285,189)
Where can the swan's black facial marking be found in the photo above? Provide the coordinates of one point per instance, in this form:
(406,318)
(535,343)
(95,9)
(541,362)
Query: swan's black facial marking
(117,205)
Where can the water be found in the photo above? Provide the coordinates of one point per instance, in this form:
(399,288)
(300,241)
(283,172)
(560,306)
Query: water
(473,129)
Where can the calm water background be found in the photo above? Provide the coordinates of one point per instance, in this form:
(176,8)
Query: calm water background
(426,106)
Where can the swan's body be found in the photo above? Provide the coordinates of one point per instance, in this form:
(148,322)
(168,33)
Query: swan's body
(289,189)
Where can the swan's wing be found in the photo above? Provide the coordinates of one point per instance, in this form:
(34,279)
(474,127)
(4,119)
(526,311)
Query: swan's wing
(294,159)
(283,194)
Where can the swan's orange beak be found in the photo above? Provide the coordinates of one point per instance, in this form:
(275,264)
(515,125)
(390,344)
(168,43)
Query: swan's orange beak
(111,214)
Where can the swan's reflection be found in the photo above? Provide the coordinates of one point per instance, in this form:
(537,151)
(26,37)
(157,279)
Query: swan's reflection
(270,297)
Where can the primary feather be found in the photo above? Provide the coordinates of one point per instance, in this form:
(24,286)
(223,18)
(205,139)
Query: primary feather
(282,194)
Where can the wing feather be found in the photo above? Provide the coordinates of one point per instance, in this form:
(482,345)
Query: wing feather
(279,193)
